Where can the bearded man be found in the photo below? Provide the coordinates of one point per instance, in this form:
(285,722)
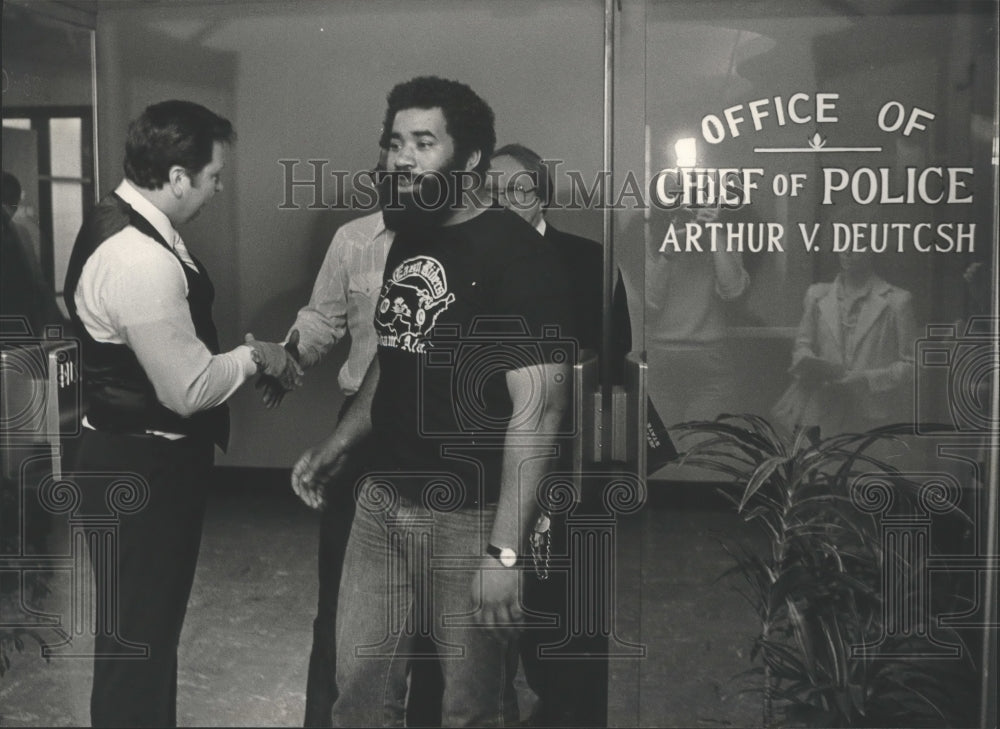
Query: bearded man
(462,404)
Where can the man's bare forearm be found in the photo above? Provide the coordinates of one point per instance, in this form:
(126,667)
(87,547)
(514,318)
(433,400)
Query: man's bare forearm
(529,450)
(356,423)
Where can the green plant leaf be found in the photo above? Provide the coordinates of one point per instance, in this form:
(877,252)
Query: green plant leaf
(801,634)
(760,477)
(836,651)
(708,448)
(750,443)
(713,465)
(907,691)
(763,428)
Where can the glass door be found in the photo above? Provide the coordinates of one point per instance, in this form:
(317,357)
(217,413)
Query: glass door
(811,241)
(48,143)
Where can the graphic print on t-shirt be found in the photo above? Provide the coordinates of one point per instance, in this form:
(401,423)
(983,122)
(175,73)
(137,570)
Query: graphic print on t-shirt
(412,299)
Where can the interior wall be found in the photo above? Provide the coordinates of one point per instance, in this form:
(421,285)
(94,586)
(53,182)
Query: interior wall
(307,81)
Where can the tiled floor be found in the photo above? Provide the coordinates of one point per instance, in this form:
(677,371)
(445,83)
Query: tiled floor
(246,640)
(696,630)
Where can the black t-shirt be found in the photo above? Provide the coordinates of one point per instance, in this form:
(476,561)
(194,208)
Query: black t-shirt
(461,306)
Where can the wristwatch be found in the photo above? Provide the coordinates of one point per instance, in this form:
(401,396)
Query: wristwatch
(505,555)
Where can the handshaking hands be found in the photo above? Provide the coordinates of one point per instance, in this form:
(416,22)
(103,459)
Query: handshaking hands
(277,364)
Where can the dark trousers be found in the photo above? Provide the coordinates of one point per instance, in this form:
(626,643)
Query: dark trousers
(566,666)
(334,529)
(144,560)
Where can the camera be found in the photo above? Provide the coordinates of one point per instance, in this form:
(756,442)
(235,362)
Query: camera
(467,371)
(954,375)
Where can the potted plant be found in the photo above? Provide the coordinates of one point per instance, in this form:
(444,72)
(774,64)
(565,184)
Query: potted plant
(818,586)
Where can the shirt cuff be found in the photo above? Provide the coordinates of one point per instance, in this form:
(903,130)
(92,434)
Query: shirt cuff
(245,358)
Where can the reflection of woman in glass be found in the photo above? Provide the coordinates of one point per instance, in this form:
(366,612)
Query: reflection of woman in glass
(853,355)
(691,370)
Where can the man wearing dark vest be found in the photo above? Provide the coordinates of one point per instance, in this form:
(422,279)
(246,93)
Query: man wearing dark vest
(156,386)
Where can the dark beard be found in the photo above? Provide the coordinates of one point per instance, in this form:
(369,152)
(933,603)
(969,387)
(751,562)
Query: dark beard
(427,207)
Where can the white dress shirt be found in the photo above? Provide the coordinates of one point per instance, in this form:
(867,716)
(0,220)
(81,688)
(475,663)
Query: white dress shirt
(344,298)
(133,291)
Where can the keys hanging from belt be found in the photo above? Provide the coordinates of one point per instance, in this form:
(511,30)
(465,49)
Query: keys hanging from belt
(541,545)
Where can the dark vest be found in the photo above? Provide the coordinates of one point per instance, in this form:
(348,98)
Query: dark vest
(120,398)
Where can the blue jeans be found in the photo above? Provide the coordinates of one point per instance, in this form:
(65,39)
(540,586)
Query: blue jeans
(410,571)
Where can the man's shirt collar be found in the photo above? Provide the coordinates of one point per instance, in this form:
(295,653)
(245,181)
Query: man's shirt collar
(156,217)
(380,228)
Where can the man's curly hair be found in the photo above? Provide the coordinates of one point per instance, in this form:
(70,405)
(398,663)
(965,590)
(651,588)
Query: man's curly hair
(468,119)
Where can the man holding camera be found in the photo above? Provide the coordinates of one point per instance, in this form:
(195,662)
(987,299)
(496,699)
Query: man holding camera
(463,403)
(156,385)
